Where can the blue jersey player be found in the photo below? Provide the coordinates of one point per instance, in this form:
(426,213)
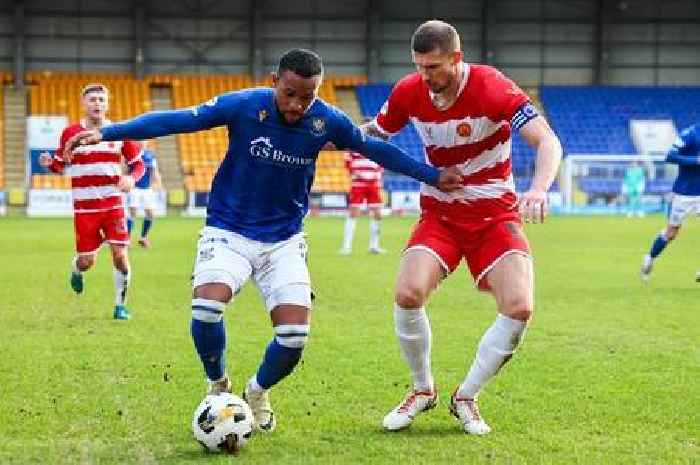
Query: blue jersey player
(686,193)
(142,195)
(258,200)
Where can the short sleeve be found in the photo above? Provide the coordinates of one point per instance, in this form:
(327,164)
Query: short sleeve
(394,113)
(504,95)
(131,150)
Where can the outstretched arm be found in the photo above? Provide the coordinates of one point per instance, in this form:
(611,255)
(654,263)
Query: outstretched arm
(393,158)
(153,124)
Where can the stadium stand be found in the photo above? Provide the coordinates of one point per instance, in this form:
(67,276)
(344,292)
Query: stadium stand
(595,119)
(58,93)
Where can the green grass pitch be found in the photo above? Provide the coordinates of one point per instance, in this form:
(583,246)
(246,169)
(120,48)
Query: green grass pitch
(609,371)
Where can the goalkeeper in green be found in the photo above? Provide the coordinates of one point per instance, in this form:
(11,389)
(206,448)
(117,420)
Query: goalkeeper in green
(633,188)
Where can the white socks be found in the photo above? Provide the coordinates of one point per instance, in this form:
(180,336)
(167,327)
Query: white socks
(121,285)
(349,232)
(373,234)
(497,345)
(413,331)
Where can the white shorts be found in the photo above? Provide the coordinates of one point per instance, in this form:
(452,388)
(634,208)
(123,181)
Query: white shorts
(683,206)
(142,198)
(278,269)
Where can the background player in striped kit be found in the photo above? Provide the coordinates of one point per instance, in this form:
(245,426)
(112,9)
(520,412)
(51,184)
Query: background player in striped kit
(98,194)
(365,188)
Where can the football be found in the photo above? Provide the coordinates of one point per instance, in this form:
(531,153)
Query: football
(222,423)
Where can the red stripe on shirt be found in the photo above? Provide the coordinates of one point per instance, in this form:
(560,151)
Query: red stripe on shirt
(448,156)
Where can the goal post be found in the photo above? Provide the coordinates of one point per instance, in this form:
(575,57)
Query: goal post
(594,184)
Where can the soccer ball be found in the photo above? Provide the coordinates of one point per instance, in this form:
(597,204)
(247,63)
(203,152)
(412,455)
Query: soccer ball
(222,423)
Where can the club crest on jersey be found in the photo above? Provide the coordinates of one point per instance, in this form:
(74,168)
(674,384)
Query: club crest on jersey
(262,114)
(464,130)
(318,126)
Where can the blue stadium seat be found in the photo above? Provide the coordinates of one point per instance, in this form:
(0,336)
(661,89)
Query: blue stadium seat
(595,119)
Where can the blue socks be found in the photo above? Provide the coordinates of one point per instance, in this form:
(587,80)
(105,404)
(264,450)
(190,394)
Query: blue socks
(658,246)
(147,222)
(278,363)
(129,224)
(209,336)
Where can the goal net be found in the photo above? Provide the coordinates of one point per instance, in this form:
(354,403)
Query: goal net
(595,184)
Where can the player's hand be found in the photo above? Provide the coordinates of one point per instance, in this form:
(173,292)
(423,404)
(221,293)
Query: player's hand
(450,179)
(533,206)
(126,183)
(87,137)
(45,159)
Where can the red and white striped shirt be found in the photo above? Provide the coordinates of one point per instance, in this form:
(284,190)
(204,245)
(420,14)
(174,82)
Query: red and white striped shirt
(363,171)
(474,134)
(95,171)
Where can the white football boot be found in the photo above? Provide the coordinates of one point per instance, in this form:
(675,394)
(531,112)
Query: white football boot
(645,271)
(415,403)
(259,402)
(466,411)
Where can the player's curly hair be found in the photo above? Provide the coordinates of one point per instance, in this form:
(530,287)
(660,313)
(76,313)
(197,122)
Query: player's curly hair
(435,34)
(300,61)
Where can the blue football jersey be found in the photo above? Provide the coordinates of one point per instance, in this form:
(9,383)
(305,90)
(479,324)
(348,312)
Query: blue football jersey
(686,154)
(261,189)
(149,160)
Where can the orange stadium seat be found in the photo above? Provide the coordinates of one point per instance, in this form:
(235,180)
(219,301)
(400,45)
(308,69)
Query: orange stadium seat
(50,181)
(58,93)
(331,175)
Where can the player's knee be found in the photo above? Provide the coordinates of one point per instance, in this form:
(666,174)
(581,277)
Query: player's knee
(207,310)
(292,336)
(213,291)
(297,294)
(409,295)
(85,262)
(671,234)
(517,307)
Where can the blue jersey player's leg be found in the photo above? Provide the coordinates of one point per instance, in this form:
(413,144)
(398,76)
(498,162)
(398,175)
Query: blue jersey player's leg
(283,280)
(221,269)
(680,208)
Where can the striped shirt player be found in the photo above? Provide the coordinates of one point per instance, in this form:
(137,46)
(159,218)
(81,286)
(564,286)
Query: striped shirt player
(465,115)
(142,196)
(365,188)
(365,180)
(475,135)
(685,153)
(98,194)
(258,200)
